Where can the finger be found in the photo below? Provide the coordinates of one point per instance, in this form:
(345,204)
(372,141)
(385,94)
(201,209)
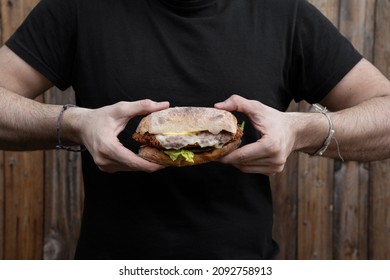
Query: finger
(119,158)
(247,153)
(265,170)
(259,166)
(133,162)
(255,155)
(229,104)
(147,106)
(140,107)
(237,103)
(265,166)
(137,163)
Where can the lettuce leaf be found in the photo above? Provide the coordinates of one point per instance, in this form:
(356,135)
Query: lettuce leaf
(175,154)
(242,125)
(187,154)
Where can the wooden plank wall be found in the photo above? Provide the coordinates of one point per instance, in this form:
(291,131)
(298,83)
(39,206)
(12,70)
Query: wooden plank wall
(329,209)
(63,193)
(324,209)
(23,175)
(40,192)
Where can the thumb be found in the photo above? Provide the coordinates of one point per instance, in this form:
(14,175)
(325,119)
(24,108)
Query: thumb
(233,103)
(146,106)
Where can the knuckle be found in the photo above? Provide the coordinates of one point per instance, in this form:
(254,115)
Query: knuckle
(279,168)
(106,169)
(102,164)
(105,166)
(122,105)
(102,158)
(242,158)
(273,148)
(278,164)
(234,97)
(280,161)
(145,103)
(105,151)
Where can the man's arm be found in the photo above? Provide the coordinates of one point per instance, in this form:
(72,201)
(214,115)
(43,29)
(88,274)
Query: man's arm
(24,123)
(361,121)
(361,117)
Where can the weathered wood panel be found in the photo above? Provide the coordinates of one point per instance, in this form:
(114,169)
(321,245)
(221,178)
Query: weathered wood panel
(351,212)
(2,188)
(379,229)
(12,14)
(23,184)
(2,205)
(379,224)
(63,193)
(351,178)
(23,238)
(330,8)
(315,186)
(285,197)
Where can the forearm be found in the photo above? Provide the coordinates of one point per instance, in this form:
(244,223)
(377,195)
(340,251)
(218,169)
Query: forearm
(26,124)
(361,132)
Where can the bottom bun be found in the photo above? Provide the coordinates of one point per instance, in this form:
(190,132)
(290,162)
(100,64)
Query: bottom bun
(157,156)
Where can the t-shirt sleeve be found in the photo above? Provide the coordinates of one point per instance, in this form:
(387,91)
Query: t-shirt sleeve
(321,55)
(46,40)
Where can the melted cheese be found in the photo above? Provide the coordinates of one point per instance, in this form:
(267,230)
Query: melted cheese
(178,133)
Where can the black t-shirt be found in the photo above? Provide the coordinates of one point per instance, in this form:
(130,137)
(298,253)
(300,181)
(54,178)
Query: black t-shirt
(192,53)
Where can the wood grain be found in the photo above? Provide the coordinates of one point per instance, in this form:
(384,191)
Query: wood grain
(315,188)
(2,204)
(315,185)
(350,211)
(23,238)
(63,193)
(350,239)
(284,192)
(379,229)
(23,173)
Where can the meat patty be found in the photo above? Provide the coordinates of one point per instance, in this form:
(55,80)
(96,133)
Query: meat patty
(189,141)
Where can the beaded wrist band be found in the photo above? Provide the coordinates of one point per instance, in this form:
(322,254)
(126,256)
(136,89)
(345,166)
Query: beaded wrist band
(318,108)
(59,122)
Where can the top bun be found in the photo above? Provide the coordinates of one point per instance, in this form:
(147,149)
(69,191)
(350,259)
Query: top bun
(188,119)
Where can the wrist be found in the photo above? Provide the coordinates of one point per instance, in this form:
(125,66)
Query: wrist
(69,128)
(310,131)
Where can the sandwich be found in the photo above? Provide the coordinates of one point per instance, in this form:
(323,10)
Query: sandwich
(185,136)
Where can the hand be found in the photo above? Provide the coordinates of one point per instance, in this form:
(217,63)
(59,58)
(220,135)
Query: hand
(99,131)
(268,154)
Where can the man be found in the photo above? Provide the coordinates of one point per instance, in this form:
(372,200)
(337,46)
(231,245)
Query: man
(126,59)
